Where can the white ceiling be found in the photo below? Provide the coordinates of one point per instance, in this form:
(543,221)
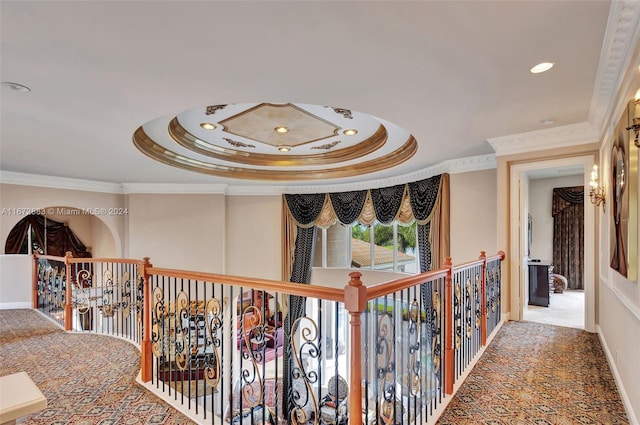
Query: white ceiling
(455,74)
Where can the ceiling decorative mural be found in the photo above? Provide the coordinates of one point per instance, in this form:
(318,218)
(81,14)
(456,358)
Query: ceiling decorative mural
(275,141)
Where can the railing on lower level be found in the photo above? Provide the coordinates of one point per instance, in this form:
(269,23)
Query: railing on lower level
(50,287)
(105,295)
(252,351)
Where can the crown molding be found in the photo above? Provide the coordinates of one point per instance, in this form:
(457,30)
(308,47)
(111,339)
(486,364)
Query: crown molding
(257,190)
(51,182)
(174,188)
(454,166)
(620,41)
(472,163)
(558,137)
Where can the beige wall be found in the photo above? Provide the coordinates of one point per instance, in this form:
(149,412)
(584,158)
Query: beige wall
(102,244)
(540,197)
(473,212)
(254,236)
(178,231)
(30,197)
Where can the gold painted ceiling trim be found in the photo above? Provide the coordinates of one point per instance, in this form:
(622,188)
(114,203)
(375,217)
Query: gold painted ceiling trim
(181,136)
(154,151)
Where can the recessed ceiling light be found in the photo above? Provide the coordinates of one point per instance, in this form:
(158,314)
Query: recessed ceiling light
(542,67)
(16,86)
(350,132)
(547,121)
(281,130)
(284,148)
(207,126)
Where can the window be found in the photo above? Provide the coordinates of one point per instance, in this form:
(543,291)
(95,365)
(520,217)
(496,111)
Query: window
(378,247)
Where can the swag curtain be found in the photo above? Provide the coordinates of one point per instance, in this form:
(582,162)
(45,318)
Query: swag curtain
(568,234)
(59,237)
(425,201)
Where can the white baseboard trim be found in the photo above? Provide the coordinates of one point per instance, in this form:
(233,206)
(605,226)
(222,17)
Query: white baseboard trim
(15,306)
(633,419)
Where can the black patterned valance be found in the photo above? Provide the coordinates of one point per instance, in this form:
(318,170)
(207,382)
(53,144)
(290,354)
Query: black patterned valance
(423,195)
(404,203)
(305,208)
(348,205)
(387,202)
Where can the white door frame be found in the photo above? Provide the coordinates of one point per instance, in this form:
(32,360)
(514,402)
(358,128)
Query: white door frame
(517,230)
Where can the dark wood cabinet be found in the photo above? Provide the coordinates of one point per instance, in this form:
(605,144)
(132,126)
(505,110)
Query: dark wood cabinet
(539,283)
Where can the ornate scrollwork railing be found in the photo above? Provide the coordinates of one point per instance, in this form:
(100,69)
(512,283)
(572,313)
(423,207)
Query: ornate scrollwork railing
(213,360)
(305,348)
(415,363)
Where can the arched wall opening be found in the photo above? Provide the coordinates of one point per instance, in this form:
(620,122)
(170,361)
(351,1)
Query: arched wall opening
(101,241)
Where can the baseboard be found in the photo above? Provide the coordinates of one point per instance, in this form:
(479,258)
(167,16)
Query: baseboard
(633,419)
(15,306)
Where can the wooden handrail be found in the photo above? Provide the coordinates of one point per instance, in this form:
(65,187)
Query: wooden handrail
(468,265)
(49,257)
(290,288)
(107,260)
(501,255)
(385,288)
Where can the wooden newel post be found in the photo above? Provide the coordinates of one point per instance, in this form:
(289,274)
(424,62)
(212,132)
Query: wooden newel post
(448,354)
(146,356)
(483,300)
(34,300)
(67,308)
(355,301)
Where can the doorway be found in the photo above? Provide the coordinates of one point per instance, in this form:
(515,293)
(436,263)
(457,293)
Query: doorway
(582,304)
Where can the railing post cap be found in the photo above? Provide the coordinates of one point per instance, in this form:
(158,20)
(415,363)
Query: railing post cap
(502,255)
(355,279)
(483,254)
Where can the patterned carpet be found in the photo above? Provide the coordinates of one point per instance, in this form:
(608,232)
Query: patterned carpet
(87,379)
(530,374)
(538,374)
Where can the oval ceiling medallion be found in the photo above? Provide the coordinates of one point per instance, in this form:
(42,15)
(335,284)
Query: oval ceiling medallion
(269,141)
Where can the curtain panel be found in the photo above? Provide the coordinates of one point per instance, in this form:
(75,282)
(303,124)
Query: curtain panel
(568,234)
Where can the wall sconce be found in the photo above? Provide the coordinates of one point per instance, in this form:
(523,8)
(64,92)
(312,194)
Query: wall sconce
(596,194)
(636,118)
